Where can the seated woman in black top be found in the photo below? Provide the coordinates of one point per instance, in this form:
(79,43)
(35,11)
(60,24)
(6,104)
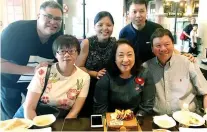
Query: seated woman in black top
(126,85)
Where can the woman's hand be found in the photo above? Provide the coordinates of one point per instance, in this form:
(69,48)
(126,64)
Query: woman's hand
(100,73)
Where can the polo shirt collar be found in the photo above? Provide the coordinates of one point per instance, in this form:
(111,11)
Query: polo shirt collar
(135,30)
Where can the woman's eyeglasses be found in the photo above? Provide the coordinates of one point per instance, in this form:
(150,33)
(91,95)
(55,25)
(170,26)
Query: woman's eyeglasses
(63,52)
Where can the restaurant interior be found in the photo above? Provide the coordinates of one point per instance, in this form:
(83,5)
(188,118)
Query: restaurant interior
(78,20)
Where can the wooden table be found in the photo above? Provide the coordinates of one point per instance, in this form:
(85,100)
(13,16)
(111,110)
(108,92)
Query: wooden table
(84,124)
(79,124)
(148,125)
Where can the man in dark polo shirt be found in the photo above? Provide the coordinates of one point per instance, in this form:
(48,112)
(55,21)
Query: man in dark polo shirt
(25,46)
(139,31)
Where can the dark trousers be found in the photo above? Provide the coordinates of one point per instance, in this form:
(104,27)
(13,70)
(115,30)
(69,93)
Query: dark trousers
(194,50)
(11,100)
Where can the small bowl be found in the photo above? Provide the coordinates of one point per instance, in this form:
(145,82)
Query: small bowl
(44,120)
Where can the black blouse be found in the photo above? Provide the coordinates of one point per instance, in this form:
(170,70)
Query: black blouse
(99,53)
(117,93)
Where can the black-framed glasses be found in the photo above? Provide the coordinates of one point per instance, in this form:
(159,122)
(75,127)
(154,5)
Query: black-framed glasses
(51,17)
(63,52)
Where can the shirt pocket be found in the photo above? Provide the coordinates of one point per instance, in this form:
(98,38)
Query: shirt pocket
(180,87)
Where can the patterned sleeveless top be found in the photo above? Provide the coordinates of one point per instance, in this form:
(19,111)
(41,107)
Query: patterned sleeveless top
(99,53)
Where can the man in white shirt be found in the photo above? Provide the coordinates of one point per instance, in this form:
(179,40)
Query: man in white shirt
(177,80)
(194,36)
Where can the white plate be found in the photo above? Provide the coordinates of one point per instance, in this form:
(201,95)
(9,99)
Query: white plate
(181,129)
(7,124)
(160,130)
(204,60)
(184,117)
(164,121)
(44,120)
(205,117)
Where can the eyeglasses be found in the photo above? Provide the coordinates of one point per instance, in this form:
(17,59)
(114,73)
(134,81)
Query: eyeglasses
(63,52)
(50,17)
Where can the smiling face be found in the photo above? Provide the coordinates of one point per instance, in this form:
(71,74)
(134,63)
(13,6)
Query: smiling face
(49,21)
(104,28)
(163,48)
(138,14)
(125,58)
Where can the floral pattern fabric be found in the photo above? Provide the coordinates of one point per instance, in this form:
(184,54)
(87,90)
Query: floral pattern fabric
(61,91)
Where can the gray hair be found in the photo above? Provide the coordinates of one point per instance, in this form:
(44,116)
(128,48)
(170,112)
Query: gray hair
(51,4)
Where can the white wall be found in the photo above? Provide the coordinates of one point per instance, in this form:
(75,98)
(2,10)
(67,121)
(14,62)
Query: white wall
(202,23)
(3,14)
(74,20)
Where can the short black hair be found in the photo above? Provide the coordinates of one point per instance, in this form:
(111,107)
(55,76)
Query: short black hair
(51,4)
(160,32)
(65,41)
(145,2)
(195,25)
(112,68)
(101,15)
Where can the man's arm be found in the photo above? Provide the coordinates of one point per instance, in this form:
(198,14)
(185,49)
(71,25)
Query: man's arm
(8,46)
(11,68)
(199,82)
(186,34)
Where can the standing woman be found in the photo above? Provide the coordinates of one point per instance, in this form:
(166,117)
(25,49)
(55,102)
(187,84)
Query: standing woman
(95,52)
